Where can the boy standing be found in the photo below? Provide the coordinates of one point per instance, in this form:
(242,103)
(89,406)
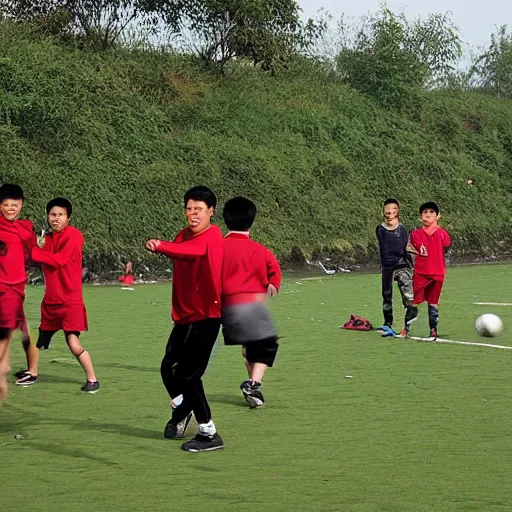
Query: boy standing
(396,264)
(63,304)
(429,242)
(16,240)
(197,254)
(250,273)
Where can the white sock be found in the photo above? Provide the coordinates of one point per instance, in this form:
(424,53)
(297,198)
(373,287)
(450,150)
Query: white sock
(207,429)
(177,401)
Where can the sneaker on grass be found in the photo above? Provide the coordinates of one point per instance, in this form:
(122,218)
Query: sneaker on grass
(202,443)
(26,379)
(253,396)
(178,430)
(20,374)
(91,387)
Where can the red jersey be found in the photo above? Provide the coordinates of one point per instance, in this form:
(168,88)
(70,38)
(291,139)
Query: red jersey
(197,269)
(430,259)
(61,258)
(249,268)
(18,237)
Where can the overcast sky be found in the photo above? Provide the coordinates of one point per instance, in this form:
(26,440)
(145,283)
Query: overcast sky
(476,19)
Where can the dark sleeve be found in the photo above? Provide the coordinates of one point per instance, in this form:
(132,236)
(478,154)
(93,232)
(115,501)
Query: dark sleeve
(378,235)
(404,239)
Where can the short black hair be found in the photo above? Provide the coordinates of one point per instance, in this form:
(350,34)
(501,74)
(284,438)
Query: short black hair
(430,205)
(239,214)
(201,193)
(61,202)
(10,191)
(391,201)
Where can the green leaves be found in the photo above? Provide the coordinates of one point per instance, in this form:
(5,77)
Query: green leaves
(492,70)
(394,60)
(266,33)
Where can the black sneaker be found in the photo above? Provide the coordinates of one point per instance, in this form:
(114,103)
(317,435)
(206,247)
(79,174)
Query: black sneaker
(177,430)
(43,344)
(201,443)
(26,379)
(433,334)
(91,387)
(21,373)
(253,396)
(245,384)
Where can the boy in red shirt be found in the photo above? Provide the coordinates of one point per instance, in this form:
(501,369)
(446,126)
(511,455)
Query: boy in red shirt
(16,239)
(63,304)
(429,242)
(250,274)
(197,254)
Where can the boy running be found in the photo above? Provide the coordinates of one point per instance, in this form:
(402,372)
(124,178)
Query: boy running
(250,273)
(197,254)
(396,264)
(429,242)
(16,240)
(63,305)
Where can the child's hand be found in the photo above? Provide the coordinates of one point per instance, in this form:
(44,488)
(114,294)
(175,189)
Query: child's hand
(271,290)
(152,245)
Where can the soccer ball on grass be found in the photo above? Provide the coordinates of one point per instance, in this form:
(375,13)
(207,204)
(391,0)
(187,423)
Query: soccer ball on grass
(488,325)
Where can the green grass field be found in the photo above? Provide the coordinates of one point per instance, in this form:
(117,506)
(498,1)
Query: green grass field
(418,427)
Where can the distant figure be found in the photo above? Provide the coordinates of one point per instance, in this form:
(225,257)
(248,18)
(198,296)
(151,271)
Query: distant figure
(396,264)
(429,243)
(127,278)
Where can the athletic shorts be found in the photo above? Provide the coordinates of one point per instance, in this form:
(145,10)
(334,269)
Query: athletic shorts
(427,288)
(247,323)
(68,317)
(264,351)
(12,314)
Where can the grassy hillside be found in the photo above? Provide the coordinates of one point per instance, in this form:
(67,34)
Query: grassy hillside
(124,135)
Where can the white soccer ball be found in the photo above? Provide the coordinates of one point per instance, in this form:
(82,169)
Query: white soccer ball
(489,325)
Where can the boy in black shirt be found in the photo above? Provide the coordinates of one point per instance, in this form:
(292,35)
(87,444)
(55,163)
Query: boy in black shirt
(396,264)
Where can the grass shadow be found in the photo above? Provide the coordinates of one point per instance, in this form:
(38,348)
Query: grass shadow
(227,399)
(57,379)
(60,449)
(129,367)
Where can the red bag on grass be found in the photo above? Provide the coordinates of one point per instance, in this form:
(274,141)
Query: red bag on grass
(358,323)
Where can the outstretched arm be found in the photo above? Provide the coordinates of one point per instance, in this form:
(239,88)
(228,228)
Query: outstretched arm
(193,248)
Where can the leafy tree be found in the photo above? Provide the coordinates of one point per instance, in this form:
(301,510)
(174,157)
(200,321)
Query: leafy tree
(492,71)
(393,59)
(100,22)
(265,32)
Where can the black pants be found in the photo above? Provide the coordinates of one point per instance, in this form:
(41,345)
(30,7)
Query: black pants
(186,357)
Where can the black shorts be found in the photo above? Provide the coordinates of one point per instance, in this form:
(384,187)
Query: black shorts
(263,351)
